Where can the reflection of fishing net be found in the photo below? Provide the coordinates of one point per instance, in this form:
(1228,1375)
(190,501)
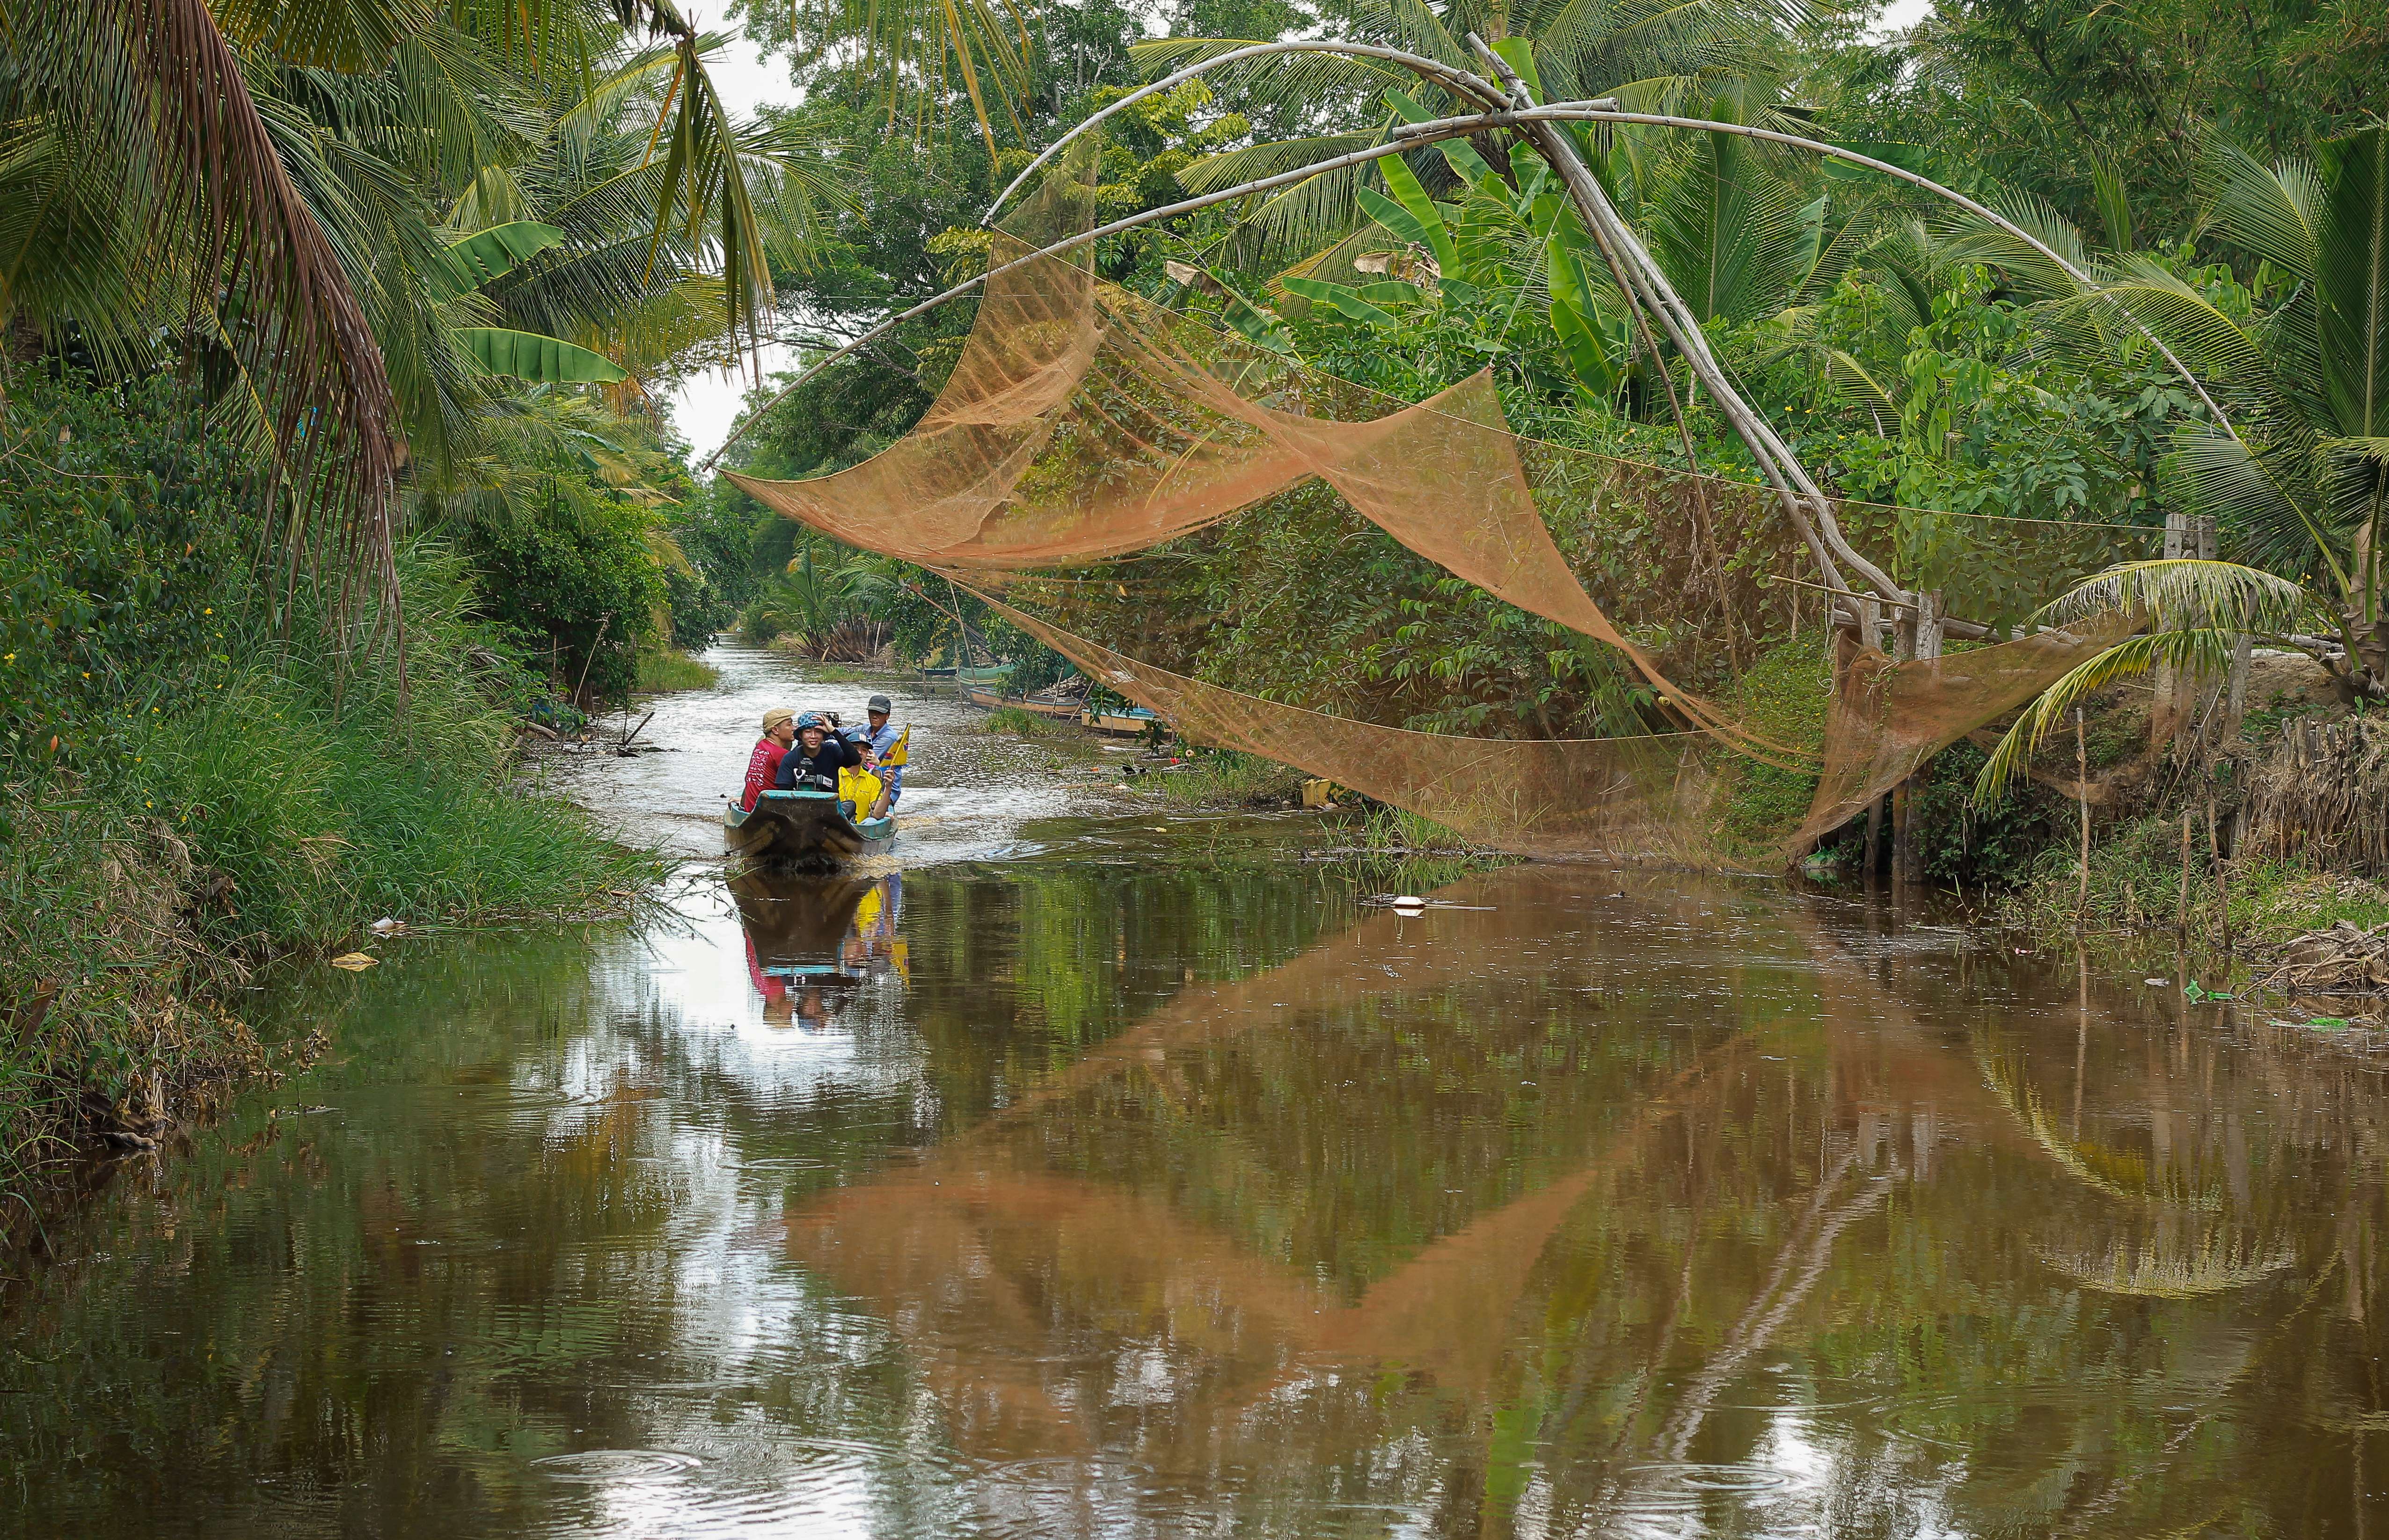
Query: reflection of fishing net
(1082,424)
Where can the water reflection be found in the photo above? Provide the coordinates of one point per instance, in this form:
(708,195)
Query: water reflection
(813,942)
(1109,1198)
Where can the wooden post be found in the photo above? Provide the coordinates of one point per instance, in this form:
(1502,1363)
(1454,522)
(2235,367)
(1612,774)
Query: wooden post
(2082,799)
(2181,906)
(1921,645)
(2222,881)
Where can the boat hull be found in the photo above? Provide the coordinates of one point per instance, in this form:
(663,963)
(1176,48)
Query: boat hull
(1066,711)
(1118,724)
(802,831)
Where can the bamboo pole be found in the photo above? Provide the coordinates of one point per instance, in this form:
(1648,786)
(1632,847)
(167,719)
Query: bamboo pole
(2181,906)
(1643,281)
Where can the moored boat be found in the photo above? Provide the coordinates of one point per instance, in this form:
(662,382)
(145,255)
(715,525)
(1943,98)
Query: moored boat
(803,831)
(1132,723)
(1059,710)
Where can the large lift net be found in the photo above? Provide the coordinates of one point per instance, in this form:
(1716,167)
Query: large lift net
(1083,424)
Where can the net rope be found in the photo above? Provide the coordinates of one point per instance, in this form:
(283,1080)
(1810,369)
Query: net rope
(1081,424)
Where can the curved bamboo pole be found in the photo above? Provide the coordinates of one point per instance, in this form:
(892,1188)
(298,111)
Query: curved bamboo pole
(1459,81)
(1071,243)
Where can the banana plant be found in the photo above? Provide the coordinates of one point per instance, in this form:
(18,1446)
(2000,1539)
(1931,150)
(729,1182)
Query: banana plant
(490,254)
(1513,240)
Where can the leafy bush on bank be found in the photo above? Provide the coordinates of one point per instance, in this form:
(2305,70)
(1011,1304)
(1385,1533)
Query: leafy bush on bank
(233,776)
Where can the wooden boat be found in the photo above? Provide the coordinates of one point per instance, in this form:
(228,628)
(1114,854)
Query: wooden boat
(803,831)
(1132,723)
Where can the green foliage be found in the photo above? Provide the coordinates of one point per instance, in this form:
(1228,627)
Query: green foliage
(114,557)
(1782,696)
(2036,96)
(235,778)
(577,583)
(1971,846)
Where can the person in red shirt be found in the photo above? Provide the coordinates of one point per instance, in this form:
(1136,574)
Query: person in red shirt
(763,765)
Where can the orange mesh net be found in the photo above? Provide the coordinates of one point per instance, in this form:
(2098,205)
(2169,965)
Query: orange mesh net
(1887,718)
(1082,424)
(1634,798)
(1149,439)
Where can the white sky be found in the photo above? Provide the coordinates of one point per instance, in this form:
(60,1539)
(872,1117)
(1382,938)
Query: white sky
(707,403)
(1899,16)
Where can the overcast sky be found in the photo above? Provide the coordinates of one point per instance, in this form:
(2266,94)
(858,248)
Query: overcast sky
(706,405)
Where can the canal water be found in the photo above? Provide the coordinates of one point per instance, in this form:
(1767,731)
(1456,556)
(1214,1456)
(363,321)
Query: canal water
(1094,1170)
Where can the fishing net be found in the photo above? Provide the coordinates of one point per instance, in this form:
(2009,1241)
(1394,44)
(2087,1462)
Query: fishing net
(1887,718)
(1642,798)
(1082,424)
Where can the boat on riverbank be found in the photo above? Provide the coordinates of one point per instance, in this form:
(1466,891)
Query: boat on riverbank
(1132,723)
(803,831)
(1060,710)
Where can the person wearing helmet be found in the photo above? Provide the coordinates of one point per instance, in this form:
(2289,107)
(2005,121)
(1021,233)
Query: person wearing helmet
(887,750)
(763,765)
(813,762)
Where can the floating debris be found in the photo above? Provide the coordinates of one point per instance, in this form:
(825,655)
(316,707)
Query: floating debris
(356,962)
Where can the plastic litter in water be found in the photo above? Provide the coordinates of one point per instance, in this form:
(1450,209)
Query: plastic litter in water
(356,962)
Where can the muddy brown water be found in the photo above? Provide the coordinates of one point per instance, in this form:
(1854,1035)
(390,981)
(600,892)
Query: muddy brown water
(1076,1177)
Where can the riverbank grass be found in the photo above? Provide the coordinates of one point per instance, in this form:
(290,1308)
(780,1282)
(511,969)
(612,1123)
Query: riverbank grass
(2136,887)
(276,809)
(1028,724)
(666,669)
(1224,778)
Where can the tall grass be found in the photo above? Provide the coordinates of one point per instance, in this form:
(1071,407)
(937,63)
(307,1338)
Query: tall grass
(2135,885)
(285,808)
(1028,724)
(1224,778)
(668,668)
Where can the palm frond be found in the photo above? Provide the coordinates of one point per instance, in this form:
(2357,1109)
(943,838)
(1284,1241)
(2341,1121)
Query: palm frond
(157,84)
(2270,211)
(2188,595)
(1970,239)
(2274,517)
(2200,651)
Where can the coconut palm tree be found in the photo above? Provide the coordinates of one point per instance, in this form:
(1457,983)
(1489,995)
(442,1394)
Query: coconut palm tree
(2302,482)
(1651,55)
(245,182)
